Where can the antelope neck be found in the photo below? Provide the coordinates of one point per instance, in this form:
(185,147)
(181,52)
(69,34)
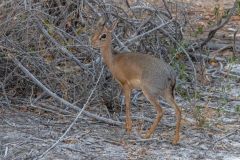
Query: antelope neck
(106,51)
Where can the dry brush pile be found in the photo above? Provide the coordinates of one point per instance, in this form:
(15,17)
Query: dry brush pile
(47,59)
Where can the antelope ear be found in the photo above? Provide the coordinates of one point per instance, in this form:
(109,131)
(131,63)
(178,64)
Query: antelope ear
(101,21)
(106,29)
(114,25)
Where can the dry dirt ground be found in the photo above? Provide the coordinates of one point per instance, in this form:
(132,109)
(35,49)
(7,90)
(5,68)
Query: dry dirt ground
(25,133)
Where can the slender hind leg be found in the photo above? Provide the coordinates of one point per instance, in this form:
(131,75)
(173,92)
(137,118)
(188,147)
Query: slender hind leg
(170,99)
(127,92)
(153,100)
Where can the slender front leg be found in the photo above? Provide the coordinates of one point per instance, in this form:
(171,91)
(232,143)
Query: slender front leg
(127,93)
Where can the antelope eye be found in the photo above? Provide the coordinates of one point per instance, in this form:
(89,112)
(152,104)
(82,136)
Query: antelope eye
(103,36)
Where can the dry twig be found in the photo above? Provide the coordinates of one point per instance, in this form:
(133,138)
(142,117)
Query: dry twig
(74,121)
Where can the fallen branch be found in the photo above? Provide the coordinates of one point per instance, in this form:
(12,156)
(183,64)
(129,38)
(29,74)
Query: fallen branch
(223,137)
(59,99)
(222,23)
(62,48)
(129,41)
(234,43)
(75,120)
(5,94)
(222,49)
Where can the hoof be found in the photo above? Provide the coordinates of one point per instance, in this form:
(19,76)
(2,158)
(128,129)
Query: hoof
(129,127)
(147,136)
(175,141)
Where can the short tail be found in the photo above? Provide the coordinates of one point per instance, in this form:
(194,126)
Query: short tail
(173,89)
(173,84)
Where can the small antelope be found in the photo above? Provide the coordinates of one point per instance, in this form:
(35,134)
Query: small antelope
(138,71)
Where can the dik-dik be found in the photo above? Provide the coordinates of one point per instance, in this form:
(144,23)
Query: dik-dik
(138,71)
